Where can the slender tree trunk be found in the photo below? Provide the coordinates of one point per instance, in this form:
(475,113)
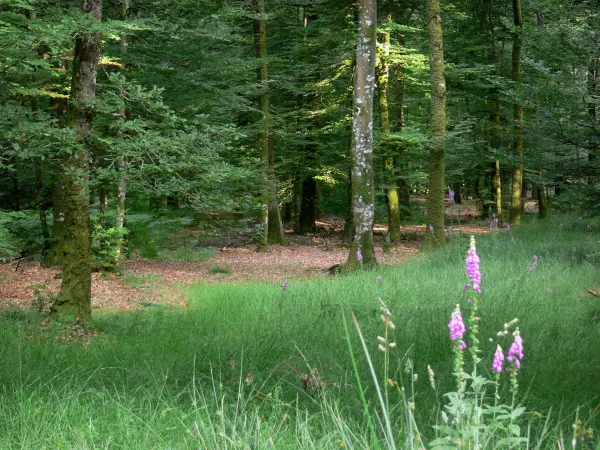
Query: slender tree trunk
(121,180)
(41,204)
(270,214)
(383,74)
(437,119)
(516,209)
(54,255)
(363,187)
(308,206)
(495,140)
(75,292)
(399,123)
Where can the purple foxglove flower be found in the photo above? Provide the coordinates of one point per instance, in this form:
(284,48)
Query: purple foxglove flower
(430,227)
(515,352)
(548,290)
(467,287)
(456,325)
(473,266)
(359,255)
(498,360)
(462,345)
(534,258)
(532,267)
(451,196)
(378,277)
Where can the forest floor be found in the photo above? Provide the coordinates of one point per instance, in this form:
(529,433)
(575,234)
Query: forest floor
(146,282)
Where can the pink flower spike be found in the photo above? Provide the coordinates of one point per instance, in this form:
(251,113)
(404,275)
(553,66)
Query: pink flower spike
(462,345)
(498,360)
(456,325)
(378,277)
(515,352)
(430,227)
(359,256)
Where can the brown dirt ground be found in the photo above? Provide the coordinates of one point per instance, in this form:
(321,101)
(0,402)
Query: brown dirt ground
(151,281)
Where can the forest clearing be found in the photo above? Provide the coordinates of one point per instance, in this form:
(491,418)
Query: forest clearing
(299,224)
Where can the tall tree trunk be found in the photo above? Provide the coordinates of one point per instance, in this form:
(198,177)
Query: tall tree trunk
(593,76)
(437,119)
(383,74)
(399,123)
(516,209)
(495,140)
(76,289)
(272,226)
(308,206)
(121,180)
(363,188)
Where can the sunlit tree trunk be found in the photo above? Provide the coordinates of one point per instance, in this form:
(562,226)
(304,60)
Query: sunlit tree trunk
(363,188)
(516,209)
(495,139)
(437,119)
(383,74)
(270,214)
(75,293)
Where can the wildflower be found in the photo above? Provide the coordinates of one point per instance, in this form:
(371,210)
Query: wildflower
(382,348)
(451,196)
(378,277)
(462,345)
(430,227)
(467,287)
(456,325)
(508,227)
(473,266)
(498,360)
(512,239)
(359,256)
(515,352)
(532,267)
(285,286)
(548,290)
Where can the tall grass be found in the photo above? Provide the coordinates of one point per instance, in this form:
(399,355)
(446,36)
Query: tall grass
(256,366)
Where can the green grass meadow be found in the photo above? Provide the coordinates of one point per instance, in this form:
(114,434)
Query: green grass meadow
(253,366)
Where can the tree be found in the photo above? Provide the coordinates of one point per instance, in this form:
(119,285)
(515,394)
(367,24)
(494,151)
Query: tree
(516,209)
(76,289)
(437,120)
(383,75)
(363,189)
(270,214)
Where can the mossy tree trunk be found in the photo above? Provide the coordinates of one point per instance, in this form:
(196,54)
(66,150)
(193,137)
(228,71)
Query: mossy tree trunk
(75,293)
(516,209)
(382,73)
(495,140)
(363,188)
(270,214)
(437,119)
(403,188)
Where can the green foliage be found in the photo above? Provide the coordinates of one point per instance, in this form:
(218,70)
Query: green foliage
(107,246)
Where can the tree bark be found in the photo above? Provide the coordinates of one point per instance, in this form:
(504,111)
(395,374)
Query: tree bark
(383,74)
(75,294)
(516,210)
(363,187)
(437,119)
(308,206)
(270,214)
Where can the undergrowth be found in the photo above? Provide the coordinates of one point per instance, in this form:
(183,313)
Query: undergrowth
(257,366)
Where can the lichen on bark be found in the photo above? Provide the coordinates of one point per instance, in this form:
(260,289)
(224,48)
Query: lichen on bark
(363,191)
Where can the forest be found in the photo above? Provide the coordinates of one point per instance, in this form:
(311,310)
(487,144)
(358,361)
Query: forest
(300,224)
